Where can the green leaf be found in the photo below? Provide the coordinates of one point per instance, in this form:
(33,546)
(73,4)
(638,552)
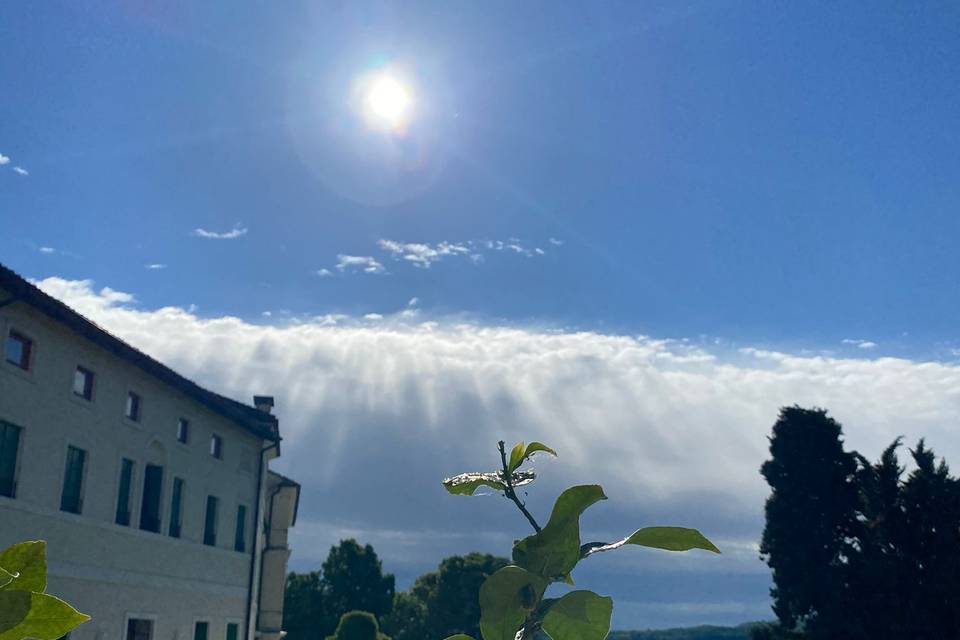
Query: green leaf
(516,457)
(6,577)
(14,607)
(555,551)
(668,538)
(506,599)
(29,560)
(466,484)
(579,615)
(459,636)
(49,618)
(534,447)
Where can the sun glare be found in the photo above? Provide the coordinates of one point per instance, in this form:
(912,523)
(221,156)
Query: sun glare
(388,103)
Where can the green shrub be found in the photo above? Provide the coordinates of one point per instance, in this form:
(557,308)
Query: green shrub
(358,625)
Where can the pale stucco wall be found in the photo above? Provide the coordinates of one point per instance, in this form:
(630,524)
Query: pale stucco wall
(103,568)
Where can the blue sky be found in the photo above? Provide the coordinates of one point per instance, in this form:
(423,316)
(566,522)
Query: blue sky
(741,175)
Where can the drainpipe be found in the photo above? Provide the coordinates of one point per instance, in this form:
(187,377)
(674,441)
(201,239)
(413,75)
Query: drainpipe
(256,537)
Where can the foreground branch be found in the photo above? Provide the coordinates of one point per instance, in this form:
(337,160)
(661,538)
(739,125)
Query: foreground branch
(509,491)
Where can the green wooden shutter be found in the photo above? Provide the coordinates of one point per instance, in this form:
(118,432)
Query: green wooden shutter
(9,445)
(240,538)
(200,631)
(176,508)
(123,495)
(152,488)
(70,499)
(210,522)
(232,630)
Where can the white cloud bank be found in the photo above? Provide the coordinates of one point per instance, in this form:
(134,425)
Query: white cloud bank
(234,233)
(375,412)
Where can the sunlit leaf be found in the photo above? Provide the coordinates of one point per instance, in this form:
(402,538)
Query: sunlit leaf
(668,538)
(49,618)
(555,551)
(579,615)
(28,561)
(14,606)
(506,599)
(516,457)
(466,484)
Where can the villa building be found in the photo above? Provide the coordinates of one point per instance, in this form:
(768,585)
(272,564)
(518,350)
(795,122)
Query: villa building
(161,516)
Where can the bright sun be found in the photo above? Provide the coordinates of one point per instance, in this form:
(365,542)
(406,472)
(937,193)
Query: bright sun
(387,103)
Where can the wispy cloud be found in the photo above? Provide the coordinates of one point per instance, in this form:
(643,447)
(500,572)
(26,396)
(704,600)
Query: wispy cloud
(414,301)
(424,254)
(555,242)
(47,250)
(236,232)
(860,344)
(4,159)
(156,266)
(366,264)
(21,171)
(324,273)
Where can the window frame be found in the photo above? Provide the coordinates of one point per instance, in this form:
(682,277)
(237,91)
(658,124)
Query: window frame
(152,617)
(89,383)
(27,354)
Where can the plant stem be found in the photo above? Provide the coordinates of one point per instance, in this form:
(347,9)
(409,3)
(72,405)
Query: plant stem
(509,492)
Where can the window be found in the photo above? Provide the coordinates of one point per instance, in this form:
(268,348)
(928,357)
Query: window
(200,630)
(133,407)
(216,446)
(71,499)
(150,507)
(210,522)
(123,493)
(183,430)
(9,445)
(139,629)
(176,508)
(18,350)
(83,383)
(232,630)
(240,537)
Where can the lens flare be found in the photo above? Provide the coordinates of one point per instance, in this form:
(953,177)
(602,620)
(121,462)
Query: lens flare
(388,103)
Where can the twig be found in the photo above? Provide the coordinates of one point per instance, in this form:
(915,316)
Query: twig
(509,492)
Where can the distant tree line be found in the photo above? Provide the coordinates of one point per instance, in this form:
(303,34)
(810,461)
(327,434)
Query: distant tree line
(351,598)
(858,549)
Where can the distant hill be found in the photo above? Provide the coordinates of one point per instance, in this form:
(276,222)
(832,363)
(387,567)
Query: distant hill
(706,632)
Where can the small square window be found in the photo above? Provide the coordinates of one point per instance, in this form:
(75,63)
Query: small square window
(83,383)
(216,446)
(139,629)
(133,407)
(18,350)
(183,430)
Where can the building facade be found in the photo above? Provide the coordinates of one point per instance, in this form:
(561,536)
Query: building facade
(161,516)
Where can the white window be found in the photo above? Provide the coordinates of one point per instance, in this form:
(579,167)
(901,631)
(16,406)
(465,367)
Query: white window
(83,383)
(133,407)
(216,446)
(18,349)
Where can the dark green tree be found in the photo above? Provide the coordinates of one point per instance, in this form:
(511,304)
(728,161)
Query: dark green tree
(811,516)
(304,613)
(351,579)
(358,625)
(445,602)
